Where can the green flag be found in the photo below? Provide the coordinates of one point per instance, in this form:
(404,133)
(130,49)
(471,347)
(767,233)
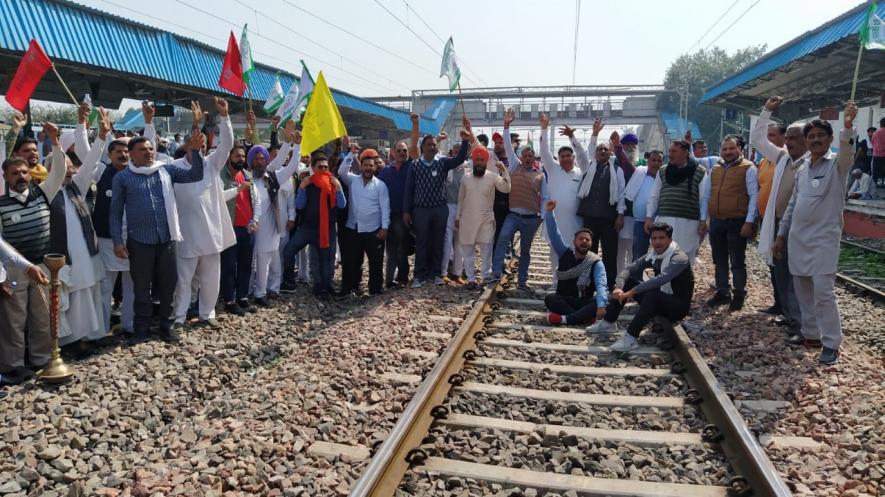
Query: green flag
(276,97)
(298,97)
(872,31)
(246,57)
(449,67)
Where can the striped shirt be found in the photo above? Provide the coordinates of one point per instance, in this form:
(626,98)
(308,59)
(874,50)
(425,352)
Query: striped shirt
(426,181)
(25,226)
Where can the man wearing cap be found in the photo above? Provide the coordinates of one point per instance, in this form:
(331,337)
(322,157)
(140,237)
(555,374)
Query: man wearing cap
(368,218)
(267,177)
(528,192)
(424,201)
(563,180)
(475,217)
(601,197)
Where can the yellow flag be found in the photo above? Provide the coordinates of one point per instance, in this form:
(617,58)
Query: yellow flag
(322,122)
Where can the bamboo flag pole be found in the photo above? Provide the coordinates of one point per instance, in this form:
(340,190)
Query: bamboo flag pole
(461,98)
(64,85)
(856,71)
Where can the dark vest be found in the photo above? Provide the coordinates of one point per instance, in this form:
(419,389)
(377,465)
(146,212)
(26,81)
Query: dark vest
(569,288)
(311,212)
(682,284)
(596,203)
(101,215)
(58,239)
(26,226)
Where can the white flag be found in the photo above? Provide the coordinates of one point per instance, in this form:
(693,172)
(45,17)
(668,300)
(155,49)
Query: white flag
(246,57)
(298,96)
(449,66)
(276,97)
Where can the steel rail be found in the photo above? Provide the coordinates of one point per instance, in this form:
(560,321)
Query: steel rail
(748,459)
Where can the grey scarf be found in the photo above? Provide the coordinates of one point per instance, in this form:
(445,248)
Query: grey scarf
(583,272)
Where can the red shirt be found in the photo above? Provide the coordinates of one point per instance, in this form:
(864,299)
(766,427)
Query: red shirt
(244,203)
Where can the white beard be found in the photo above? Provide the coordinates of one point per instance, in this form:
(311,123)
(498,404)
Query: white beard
(633,155)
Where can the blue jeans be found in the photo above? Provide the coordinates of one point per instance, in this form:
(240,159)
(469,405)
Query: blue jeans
(640,239)
(302,237)
(430,232)
(526,226)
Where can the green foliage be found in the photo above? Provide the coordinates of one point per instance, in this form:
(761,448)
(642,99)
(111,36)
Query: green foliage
(58,114)
(702,70)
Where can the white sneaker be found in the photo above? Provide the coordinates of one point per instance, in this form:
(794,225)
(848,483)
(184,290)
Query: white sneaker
(417,283)
(602,326)
(625,344)
(438,281)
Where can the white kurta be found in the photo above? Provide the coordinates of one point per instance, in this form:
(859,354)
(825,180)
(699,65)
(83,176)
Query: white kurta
(813,218)
(270,225)
(476,199)
(82,317)
(205,222)
(562,186)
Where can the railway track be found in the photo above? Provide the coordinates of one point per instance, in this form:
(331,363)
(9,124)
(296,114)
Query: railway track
(856,270)
(513,403)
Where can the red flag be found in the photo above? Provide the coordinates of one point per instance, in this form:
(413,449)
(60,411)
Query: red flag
(232,71)
(30,71)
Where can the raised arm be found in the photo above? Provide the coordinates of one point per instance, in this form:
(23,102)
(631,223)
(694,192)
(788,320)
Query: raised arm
(285,174)
(19,121)
(580,152)
(547,160)
(509,117)
(845,157)
(59,165)
(288,138)
(553,234)
(466,139)
(195,173)
(147,112)
(414,151)
(81,138)
(502,181)
(344,169)
(759,133)
(623,161)
(89,165)
(218,159)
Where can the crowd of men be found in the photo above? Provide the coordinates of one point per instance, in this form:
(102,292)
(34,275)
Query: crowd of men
(165,230)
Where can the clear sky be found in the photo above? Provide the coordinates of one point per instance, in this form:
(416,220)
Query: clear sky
(500,42)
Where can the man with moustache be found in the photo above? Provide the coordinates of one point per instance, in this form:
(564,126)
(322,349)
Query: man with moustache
(24,224)
(236,260)
(475,217)
(563,180)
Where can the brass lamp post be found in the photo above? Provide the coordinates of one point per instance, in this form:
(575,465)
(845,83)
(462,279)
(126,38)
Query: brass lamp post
(55,371)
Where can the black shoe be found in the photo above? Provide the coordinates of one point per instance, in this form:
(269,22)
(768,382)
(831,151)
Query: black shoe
(829,356)
(719,299)
(246,306)
(773,310)
(261,302)
(799,340)
(137,337)
(471,286)
(391,285)
(783,322)
(287,287)
(234,308)
(169,335)
(737,301)
(273,295)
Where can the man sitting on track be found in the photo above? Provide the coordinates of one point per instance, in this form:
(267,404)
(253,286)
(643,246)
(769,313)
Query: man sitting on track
(581,292)
(667,294)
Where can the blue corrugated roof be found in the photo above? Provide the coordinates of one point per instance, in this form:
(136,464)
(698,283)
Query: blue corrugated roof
(132,120)
(87,36)
(675,127)
(846,25)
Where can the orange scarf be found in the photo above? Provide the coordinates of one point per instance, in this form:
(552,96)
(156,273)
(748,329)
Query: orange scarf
(323,181)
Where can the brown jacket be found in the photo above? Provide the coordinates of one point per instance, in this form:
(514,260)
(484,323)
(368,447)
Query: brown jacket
(728,196)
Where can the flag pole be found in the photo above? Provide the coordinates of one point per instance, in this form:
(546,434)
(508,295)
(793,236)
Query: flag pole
(73,99)
(461,98)
(856,71)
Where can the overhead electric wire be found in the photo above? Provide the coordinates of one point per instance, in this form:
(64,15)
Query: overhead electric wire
(733,23)
(714,25)
(405,25)
(575,48)
(276,42)
(360,38)
(337,54)
(441,40)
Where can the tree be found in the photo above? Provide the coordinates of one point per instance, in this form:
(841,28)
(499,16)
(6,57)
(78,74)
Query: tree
(701,70)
